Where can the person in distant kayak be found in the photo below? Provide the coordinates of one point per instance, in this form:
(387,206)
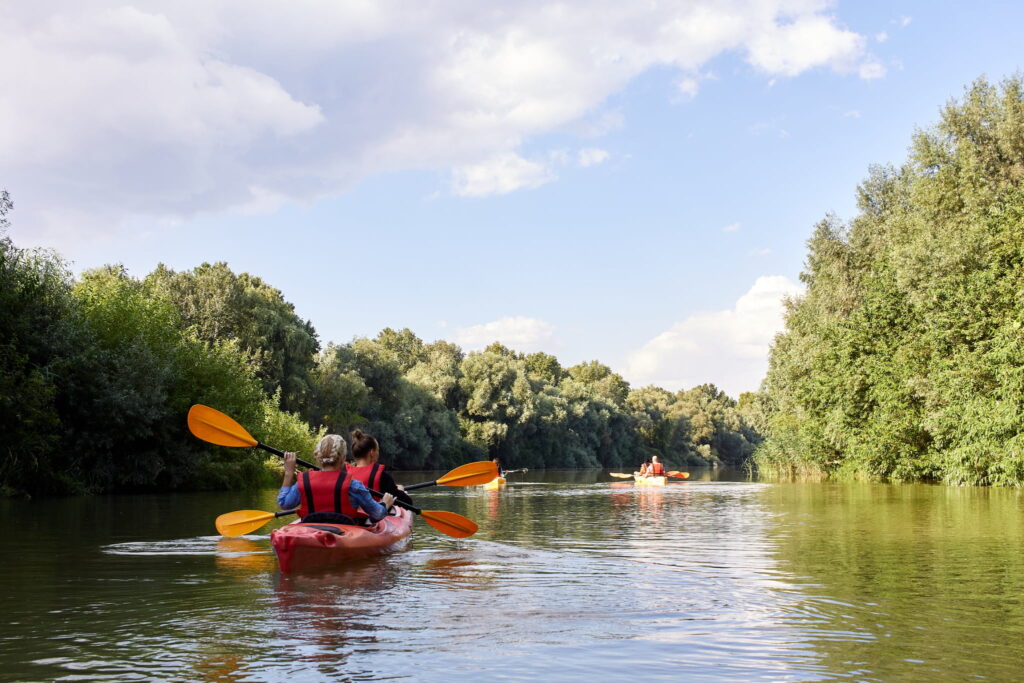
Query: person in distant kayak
(497,463)
(367,469)
(645,468)
(329,495)
(656,469)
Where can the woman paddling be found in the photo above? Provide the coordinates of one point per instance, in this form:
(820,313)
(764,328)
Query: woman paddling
(367,469)
(330,495)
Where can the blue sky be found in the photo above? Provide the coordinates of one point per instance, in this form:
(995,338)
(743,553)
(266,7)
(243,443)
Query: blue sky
(611,181)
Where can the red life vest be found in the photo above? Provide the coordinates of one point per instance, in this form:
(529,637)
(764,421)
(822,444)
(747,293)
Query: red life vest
(325,492)
(370,476)
(657,470)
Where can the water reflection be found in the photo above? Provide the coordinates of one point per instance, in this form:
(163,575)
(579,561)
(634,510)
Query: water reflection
(572,575)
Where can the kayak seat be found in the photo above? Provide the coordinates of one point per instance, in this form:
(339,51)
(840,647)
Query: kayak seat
(333,529)
(329,518)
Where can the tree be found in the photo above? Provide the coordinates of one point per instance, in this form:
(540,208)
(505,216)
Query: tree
(221,305)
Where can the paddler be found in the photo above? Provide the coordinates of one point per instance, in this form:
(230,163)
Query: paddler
(645,468)
(656,469)
(330,495)
(367,469)
(497,463)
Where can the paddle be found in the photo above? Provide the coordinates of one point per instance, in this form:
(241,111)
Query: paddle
(241,522)
(215,427)
(674,473)
(470,474)
(514,471)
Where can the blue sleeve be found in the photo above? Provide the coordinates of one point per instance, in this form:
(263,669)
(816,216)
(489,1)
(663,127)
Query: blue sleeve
(360,497)
(288,497)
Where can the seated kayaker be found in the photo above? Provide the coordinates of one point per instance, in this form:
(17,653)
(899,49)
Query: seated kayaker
(656,469)
(497,463)
(368,469)
(330,495)
(645,468)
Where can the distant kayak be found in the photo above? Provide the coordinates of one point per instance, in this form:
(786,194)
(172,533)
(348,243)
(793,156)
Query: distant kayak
(495,483)
(303,546)
(649,481)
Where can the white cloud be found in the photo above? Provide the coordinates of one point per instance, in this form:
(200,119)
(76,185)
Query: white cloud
(500,175)
(591,156)
(688,86)
(729,348)
(732,227)
(904,21)
(791,48)
(119,108)
(519,333)
(870,70)
(881,36)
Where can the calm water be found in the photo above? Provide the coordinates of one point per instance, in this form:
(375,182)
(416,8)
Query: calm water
(573,575)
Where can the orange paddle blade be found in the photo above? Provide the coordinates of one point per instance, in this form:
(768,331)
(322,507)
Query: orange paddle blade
(450,523)
(679,475)
(216,427)
(241,522)
(470,474)
(621,475)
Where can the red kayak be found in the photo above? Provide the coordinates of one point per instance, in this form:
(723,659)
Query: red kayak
(303,546)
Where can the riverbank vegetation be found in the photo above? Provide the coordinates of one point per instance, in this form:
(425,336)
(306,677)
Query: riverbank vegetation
(904,360)
(97,373)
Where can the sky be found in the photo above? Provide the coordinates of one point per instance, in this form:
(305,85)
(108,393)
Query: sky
(632,183)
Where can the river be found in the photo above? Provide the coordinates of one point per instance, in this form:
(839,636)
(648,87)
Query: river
(572,576)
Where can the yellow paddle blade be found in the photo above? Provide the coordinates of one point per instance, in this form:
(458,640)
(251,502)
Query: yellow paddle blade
(679,475)
(216,427)
(470,474)
(241,522)
(450,523)
(621,475)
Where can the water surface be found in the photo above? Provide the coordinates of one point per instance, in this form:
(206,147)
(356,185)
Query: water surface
(573,575)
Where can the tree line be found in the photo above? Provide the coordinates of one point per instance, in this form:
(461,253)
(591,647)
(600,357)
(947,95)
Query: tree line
(98,371)
(904,359)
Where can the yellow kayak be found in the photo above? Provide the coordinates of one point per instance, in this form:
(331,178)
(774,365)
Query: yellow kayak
(649,481)
(495,483)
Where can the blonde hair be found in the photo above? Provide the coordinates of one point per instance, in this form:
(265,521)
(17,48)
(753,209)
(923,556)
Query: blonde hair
(331,449)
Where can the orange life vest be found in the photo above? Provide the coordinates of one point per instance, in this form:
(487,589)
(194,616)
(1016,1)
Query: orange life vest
(325,492)
(657,470)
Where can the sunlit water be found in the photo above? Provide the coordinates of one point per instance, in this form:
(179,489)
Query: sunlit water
(573,575)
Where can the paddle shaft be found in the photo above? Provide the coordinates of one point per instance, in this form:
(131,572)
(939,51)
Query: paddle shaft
(407,506)
(307,465)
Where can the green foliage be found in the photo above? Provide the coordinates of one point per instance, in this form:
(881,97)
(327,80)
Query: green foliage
(221,305)
(902,361)
(96,377)
(38,336)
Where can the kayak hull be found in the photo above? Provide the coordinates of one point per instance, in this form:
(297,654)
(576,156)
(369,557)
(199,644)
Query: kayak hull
(495,483)
(305,546)
(650,481)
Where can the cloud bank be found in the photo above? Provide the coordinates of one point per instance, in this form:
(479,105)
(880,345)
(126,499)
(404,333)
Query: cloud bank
(729,348)
(113,109)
